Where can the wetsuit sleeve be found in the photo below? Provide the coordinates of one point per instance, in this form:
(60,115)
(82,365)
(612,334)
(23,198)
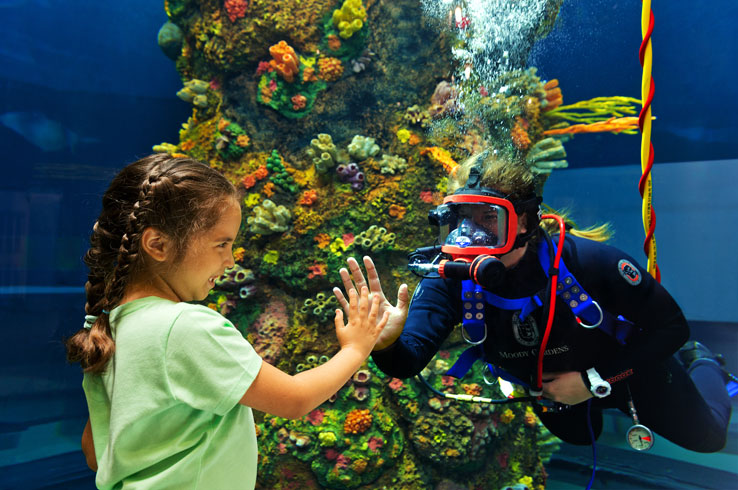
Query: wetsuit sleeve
(432,316)
(624,287)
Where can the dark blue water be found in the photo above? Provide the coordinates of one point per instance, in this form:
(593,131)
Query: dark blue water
(92,72)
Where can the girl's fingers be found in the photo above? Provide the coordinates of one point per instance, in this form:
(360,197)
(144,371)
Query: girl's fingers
(338,320)
(364,302)
(353,303)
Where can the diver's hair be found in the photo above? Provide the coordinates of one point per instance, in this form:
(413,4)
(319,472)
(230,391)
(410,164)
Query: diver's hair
(180,197)
(598,233)
(512,179)
(517,182)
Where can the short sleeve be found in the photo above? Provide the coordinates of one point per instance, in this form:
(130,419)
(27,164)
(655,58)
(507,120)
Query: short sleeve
(209,364)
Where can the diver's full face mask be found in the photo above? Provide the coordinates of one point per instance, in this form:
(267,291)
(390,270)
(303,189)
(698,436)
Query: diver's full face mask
(472,224)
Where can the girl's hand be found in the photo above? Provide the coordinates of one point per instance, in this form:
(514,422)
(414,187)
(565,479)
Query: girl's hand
(362,329)
(567,387)
(396,314)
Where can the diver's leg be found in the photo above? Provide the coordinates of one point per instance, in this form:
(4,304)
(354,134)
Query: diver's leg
(668,402)
(572,425)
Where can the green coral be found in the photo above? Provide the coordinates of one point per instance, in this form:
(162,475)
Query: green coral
(226,142)
(321,306)
(375,238)
(269,218)
(278,173)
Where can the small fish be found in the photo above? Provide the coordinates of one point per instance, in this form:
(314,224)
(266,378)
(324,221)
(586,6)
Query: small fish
(42,132)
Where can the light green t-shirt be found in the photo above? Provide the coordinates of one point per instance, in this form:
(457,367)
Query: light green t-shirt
(165,413)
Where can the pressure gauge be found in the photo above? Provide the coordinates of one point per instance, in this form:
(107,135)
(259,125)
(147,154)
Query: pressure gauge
(640,437)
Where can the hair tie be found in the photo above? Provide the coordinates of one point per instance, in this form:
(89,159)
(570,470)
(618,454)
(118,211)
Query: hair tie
(106,312)
(89,321)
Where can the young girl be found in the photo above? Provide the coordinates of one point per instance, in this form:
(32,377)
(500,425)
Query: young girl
(170,385)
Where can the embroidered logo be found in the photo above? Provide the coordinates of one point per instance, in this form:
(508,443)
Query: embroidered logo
(629,272)
(525,331)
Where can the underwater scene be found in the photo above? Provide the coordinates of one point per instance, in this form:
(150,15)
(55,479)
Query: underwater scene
(340,122)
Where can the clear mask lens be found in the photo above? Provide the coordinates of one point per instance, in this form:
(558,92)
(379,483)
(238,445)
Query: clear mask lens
(475,225)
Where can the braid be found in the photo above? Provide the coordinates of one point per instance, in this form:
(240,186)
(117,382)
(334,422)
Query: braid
(152,192)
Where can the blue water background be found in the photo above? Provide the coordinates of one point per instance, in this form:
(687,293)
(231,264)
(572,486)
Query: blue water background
(96,70)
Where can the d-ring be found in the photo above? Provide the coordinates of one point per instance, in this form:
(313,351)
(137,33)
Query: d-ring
(484,376)
(471,342)
(602,316)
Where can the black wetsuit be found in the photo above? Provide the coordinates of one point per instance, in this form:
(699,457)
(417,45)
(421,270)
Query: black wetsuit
(664,394)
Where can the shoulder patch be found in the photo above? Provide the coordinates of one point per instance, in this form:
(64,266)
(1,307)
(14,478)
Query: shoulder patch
(629,272)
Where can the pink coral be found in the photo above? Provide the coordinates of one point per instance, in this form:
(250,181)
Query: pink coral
(263,67)
(375,443)
(315,417)
(426,196)
(348,238)
(236,9)
(396,384)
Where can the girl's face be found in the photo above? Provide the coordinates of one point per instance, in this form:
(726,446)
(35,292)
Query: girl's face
(208,255)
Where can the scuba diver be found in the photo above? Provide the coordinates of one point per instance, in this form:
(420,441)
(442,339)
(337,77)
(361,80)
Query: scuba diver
(578,323)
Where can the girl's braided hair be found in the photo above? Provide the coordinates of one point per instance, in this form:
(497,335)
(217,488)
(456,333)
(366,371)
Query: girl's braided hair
(180,197)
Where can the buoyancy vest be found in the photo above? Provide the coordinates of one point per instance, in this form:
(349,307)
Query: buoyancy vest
(474,299)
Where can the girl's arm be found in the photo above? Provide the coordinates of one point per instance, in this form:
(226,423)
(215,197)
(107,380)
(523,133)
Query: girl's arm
(88,446)
(288,396)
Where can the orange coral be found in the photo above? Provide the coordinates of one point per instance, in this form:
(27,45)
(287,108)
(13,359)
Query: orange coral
(242,140)
(236,9)
(238,254)
(331,69)
(308,75)
(308,198)
(268,189)
(441,156)
(357,421)
(473,389)
(397,211)
(187,145)
(223,123)
(298,102)
(323,240)
(613,124)
(334,44)
(553,95)
(285,60)
(316,270)
(266,94)
(248,181)
(413,140)
(518,133)
(261,172)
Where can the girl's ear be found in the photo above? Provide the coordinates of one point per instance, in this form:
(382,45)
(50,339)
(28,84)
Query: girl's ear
(156,244)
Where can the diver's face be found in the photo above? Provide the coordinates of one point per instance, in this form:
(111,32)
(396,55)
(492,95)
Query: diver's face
(486,217)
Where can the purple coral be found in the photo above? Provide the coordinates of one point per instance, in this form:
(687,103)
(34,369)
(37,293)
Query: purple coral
(351,173)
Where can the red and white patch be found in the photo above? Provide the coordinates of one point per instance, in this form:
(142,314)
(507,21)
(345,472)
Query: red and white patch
(629,272)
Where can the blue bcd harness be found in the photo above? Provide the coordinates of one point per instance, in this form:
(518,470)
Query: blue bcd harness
(474,298)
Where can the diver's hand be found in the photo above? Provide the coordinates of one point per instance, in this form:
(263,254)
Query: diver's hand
(567,387)
(355,280)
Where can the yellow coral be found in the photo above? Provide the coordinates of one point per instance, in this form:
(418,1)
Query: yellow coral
(238,254)
(507,416)
(403,135)
(349,18)
(271,257)
(338,246)
(252,199)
